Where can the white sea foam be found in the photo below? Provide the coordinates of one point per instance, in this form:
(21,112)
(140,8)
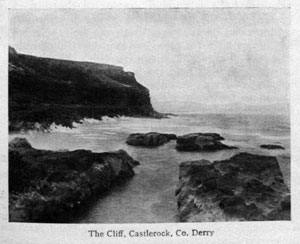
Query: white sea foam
(91,121)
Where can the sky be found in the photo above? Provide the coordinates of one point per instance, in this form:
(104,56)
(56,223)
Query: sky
(208,55)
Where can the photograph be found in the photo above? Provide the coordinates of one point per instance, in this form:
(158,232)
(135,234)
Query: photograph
(149,115)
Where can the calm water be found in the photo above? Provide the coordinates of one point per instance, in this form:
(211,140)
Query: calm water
(149,195)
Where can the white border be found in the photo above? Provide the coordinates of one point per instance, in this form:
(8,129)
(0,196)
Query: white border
(234,232)
(145,3)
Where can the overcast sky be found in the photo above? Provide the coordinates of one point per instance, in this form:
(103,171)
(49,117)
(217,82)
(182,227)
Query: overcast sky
(202,55)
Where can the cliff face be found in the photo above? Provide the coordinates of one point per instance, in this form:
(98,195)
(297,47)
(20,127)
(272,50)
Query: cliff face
(48,90)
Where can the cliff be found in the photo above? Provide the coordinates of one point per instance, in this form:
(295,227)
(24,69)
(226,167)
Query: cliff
(44,90)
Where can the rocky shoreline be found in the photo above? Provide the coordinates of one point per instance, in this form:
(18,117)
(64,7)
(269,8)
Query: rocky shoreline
(245,187)
(49,186)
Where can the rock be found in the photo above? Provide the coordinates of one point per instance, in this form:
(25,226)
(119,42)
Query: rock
(270,146)
(151,139)
(243,188)
(48,186)
(100,176)
(201,142)
(20,143)
(12,52)
(120,163)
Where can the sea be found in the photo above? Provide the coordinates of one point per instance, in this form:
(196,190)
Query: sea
(149,197)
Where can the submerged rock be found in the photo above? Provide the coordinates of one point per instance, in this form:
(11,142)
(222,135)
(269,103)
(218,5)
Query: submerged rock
(151,139)
(201,142)
(243,188)
(47,186)
(271,146)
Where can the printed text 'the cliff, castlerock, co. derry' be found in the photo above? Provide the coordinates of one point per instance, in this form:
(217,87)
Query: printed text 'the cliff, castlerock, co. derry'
(148,233)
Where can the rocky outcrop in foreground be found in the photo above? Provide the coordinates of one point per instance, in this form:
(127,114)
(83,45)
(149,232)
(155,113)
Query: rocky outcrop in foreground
(48,186)
(271,146)
(151,139)
(243,188)
(43,91)
(201,142)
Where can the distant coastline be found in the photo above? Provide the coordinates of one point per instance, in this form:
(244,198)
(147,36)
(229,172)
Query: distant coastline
(188,107)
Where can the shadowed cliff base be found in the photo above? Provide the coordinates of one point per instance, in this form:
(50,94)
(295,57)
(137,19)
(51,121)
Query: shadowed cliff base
(46,91)
(42,116)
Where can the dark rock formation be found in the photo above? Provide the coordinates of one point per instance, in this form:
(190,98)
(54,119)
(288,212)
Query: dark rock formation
(270,146)
(43,91)
(243,188)
(48,186)
(19,144)
(201,142)
(151,139)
